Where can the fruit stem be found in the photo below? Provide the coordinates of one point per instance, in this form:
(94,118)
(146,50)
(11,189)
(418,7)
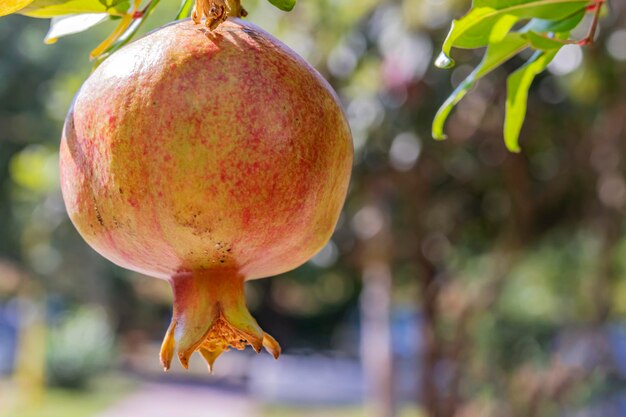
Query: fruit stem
(210,316)
(216,11)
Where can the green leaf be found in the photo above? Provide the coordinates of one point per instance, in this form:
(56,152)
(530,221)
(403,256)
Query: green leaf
(518,84)
(11,6)
(184,9)
(286,5)
(476,28)
(496,54)
(127,35)
(52,8)
(543,43)
(564,25)
(74,23)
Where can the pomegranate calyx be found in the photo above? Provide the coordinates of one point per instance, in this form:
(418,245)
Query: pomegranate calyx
(210,357)
(216,11)
(210,316)
(271,345)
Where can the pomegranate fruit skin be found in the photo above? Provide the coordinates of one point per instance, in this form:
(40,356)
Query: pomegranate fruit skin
(206,159)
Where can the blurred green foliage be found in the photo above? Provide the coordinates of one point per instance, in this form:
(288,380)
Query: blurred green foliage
(80,348)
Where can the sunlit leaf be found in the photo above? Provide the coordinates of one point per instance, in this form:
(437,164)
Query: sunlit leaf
(126,36)
(518,84)
(543,43)
(474,30)
(122,27)
(286,5)
(52,8)
(185,9)
(517,96)
(501,27)
(71,24)
(489,24)
(496,55)
(11,6)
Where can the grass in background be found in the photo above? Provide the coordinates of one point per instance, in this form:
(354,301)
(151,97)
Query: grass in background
(57,402)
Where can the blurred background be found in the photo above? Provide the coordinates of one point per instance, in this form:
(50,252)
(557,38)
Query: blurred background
(462,280)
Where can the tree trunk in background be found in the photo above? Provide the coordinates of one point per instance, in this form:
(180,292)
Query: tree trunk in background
(431,350)
(375,312)
(376,353)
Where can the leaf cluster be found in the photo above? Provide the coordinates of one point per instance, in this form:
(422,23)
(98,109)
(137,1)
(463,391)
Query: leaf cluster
(506,28)
(74,16)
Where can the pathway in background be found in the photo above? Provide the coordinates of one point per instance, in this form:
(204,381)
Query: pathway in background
(164,400)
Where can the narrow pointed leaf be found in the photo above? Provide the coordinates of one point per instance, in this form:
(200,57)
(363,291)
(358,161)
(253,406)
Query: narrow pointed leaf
(185,9)
(123,25)
(543,43)
(73,23)
(128,35)
(518,84)
(563,25)
(51,8)
(474,30)
(496,55)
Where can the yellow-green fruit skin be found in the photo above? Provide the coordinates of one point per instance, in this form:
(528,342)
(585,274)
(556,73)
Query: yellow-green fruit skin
(190,150)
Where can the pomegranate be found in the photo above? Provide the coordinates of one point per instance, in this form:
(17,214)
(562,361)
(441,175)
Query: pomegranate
(206,158)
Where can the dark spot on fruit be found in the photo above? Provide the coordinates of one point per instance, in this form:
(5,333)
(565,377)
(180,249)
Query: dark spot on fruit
(98,216)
